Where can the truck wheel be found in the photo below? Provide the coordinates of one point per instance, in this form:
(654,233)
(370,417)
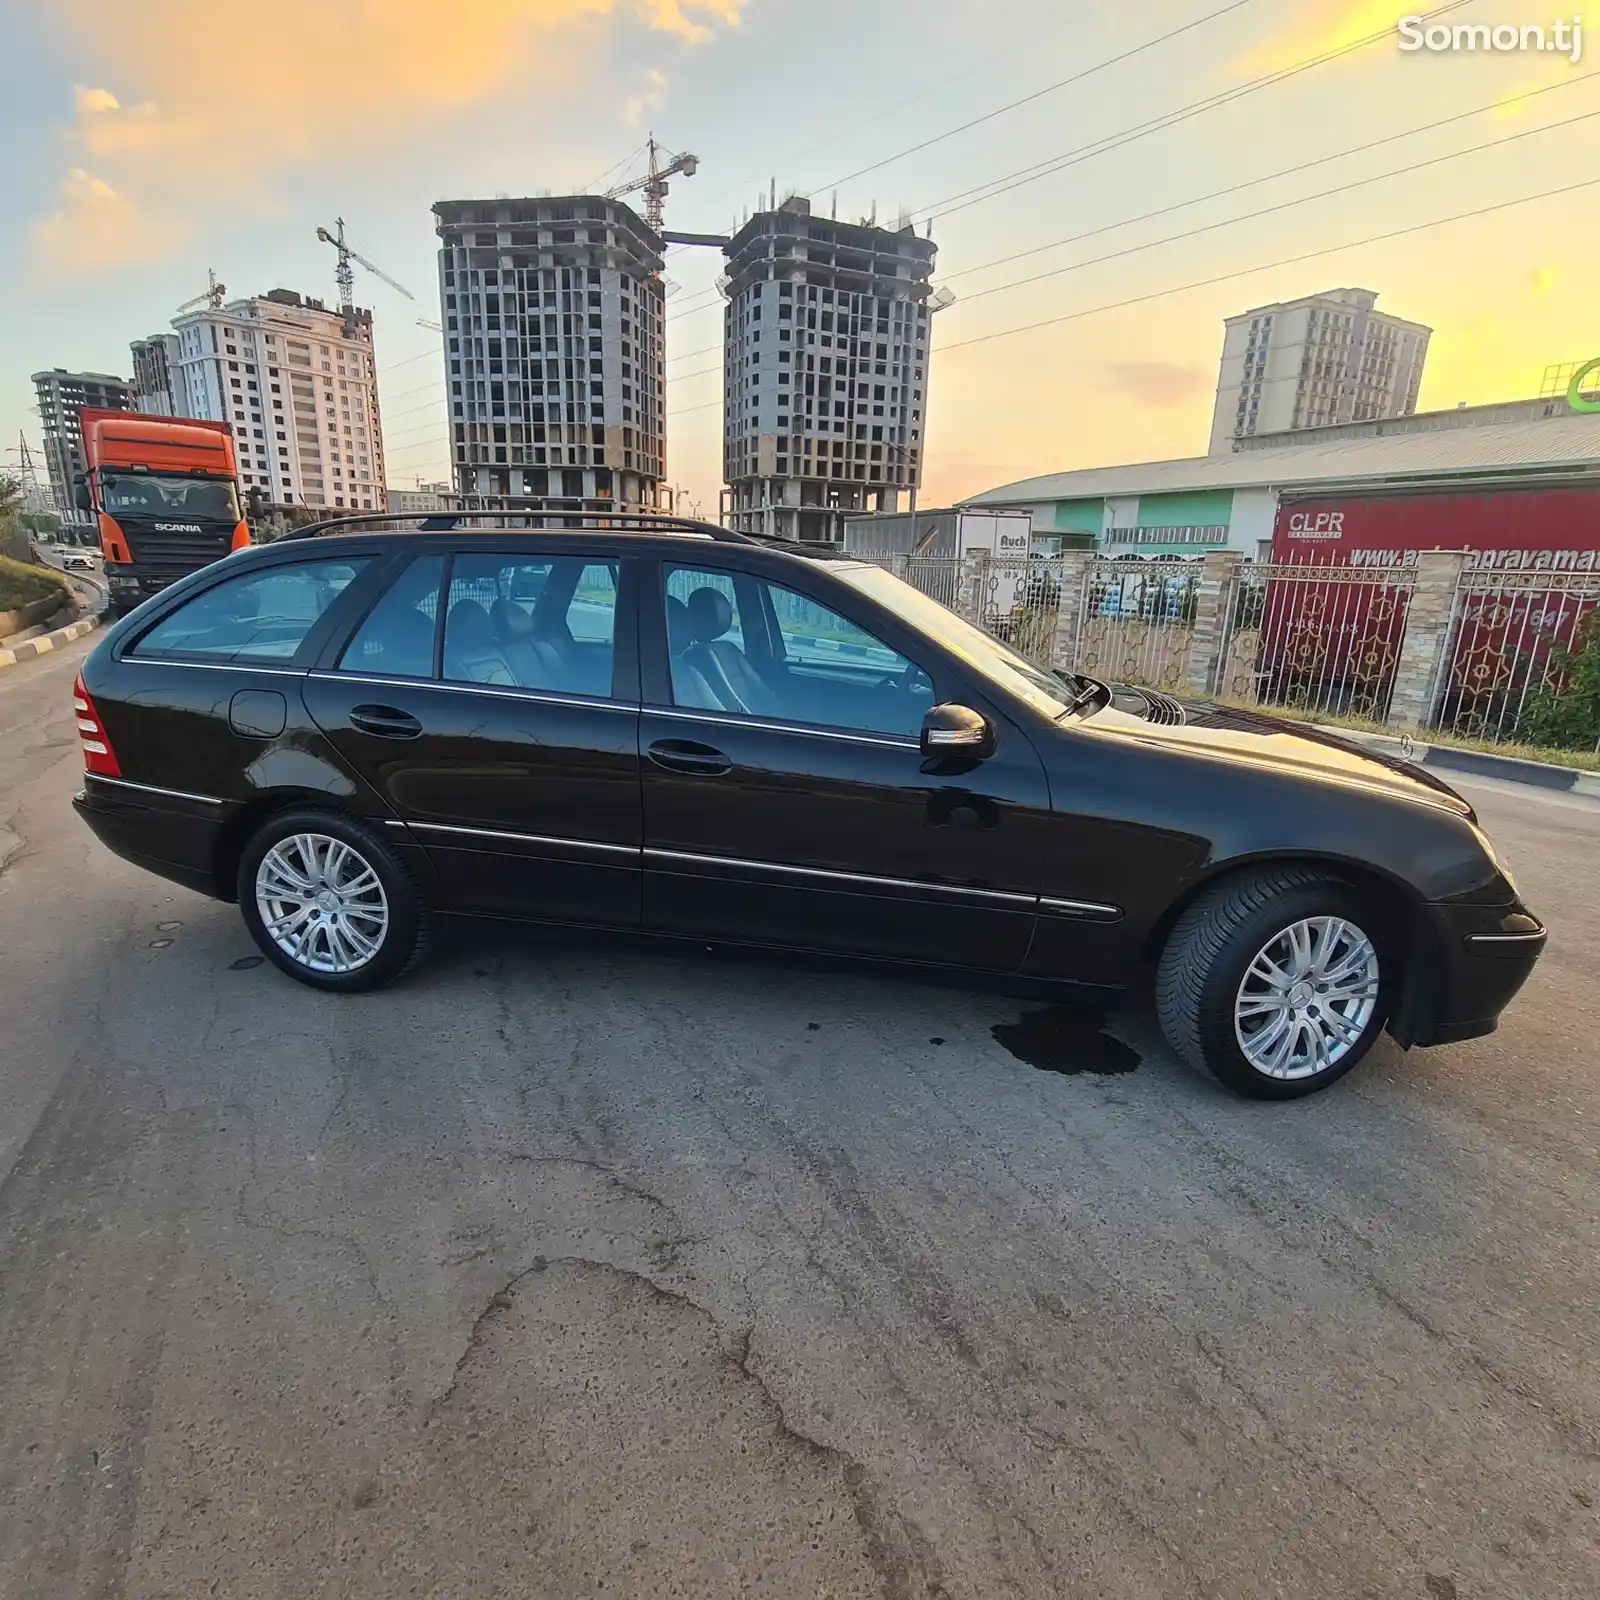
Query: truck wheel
(1277,983)
(328,902)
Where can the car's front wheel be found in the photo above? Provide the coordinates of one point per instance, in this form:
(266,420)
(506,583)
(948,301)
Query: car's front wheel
(1277,982)
(328,902)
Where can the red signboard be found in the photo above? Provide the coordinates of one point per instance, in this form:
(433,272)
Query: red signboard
(1344,635)
(1526,530)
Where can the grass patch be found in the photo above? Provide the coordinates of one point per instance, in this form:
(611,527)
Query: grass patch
(1584,760)
(22,584)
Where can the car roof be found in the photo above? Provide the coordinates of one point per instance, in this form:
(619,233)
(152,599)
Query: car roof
(659,531)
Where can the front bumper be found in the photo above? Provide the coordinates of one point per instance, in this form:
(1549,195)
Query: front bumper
(1476,960)
(131,583)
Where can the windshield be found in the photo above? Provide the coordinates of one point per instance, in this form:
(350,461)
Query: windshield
(997,662)
(145,494)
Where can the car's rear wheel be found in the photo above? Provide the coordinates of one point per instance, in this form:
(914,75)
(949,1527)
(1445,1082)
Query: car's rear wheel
(328,902)
(1278,982)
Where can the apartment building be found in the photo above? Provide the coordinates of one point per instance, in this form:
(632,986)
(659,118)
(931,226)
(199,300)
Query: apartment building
(424,498)
(1327,359)
(155,367)
(298,384)
(825,339)
(553,310)
(62,395)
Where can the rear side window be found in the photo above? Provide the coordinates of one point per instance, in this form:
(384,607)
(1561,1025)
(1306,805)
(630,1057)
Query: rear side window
(547,623)
(396,640)
(261,616)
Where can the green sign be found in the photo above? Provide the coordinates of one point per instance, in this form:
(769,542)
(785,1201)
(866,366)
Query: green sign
(1575,397)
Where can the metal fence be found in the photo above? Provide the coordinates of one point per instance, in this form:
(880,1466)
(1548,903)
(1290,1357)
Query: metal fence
(1496,653)
(1020,603)
(1313,638)
(1136,622)
(1514,641)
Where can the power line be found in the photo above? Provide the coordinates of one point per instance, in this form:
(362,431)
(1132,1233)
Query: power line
(1283,205)
(687,409)
(1282,172)
(592,186)
(897,104)
(437,383)
(410,411)
(1039,94)
(1269,266)
(684,355)
(1210,227)
(1031,174)
(408,360)
(976,195)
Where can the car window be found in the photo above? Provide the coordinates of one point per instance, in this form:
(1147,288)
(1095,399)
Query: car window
(821,669)
(261,616)
(544,623)
(397,637)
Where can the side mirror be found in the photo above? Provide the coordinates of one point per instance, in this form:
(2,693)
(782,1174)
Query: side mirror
(80,492)
(952,730)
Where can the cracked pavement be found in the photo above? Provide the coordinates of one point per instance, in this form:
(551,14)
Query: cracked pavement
(567,1269)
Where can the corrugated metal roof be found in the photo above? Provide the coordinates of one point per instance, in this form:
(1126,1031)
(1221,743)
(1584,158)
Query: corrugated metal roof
(1561,447)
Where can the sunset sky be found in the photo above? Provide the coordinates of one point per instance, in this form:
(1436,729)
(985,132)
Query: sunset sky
(145,141)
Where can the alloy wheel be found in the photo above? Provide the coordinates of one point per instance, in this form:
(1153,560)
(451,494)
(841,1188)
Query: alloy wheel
(1307,998)
(322,903)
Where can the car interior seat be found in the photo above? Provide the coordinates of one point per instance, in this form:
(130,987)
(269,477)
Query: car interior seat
(689,686)
(722,664)
(535,663)
(471,652)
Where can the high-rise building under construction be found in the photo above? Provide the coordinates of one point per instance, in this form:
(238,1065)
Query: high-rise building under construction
(62,396)
(826,337)
(552,313)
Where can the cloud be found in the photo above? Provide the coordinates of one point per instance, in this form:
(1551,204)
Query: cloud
(670,15)
(1158,384)
(1323,25)
(1318,26)
(650,98)
(210,93)
(94,228)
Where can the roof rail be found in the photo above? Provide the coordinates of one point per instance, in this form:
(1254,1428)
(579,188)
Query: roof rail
(540,522)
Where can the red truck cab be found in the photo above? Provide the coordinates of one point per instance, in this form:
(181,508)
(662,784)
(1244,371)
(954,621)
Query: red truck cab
(164,491)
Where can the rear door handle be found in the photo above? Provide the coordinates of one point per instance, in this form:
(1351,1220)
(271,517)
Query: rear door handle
(385,722)
(684,755)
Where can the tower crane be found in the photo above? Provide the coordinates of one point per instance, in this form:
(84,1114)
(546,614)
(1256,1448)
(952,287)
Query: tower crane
(212,297)
(654,182)
(345,276)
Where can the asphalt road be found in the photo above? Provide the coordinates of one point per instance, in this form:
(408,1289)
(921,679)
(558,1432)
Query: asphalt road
(564,1270)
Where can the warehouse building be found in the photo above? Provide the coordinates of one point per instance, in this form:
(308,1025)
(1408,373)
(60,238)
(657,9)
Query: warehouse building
(1243,500)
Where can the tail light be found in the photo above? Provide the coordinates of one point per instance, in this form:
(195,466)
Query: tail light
(241,538)
(98,756)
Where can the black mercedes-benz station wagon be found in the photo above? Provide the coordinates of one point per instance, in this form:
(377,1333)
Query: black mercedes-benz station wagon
(673,729)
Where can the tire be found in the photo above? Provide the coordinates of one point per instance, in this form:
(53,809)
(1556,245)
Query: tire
(1221,982)
(366,899)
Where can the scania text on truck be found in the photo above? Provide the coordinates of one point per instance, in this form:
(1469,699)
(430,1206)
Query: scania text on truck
(164,491)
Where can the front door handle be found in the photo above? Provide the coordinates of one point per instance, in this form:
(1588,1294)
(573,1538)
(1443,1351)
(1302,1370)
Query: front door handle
(385,722)
(685,755)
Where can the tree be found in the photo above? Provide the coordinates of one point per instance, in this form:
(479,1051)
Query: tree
(1566,714)
(13,536)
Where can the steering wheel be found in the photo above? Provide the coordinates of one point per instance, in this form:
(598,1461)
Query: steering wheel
(910,681)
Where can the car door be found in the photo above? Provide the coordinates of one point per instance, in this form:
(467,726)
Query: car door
(502,726)
(786,797)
